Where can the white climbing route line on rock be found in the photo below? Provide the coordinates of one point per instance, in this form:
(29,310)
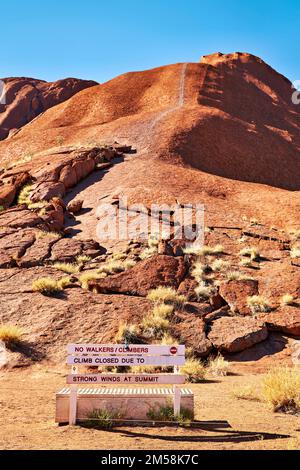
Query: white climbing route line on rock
(180,101)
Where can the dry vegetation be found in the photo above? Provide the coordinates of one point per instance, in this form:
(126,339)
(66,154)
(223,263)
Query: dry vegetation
(10,334)
(281,389)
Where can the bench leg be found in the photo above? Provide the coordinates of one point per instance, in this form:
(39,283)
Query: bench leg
(73,406)
(177,399)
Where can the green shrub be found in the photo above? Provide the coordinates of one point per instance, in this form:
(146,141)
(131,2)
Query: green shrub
(163,414)
(102,419)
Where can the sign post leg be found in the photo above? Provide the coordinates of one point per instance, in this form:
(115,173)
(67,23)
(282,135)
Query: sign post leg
(177,399)
(73,406)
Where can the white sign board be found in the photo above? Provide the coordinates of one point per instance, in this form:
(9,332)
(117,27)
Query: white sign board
(132,349)
(131,379)
(126,361)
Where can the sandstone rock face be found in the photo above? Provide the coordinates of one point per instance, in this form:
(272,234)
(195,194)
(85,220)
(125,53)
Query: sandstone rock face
(158,271)
(234,334)
(191,331)
(26,98)
(235,293)
(285,319)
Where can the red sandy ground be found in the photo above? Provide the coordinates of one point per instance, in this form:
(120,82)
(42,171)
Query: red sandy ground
(27,407)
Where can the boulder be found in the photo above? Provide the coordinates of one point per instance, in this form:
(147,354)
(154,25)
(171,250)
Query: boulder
(66,250)
(285,319)
(83,168)
(157,271)
(47,190)
(75,206)
(235,293)
(187,287)
(234,334)
(68,177)
(190,330)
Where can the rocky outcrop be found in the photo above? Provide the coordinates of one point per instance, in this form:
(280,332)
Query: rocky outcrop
(234,334)
(53,173)
(160,270)
(235,293)
(285,319)
(26,98)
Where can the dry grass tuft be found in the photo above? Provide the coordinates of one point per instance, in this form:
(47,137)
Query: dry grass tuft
(245,393)
(166,295)
(251,252)
(24,195)
(287,299)
(218,367)
(85,278)
(127,334)
(46,286)
(10,335)
(194,370)
(219,265)
(67,268)
(83,259)
(116,266)
(258,303)
(281,389)
(204,292)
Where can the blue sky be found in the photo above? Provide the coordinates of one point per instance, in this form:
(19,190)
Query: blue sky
(97,39)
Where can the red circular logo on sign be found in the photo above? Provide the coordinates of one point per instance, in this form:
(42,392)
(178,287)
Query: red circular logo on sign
(173,350)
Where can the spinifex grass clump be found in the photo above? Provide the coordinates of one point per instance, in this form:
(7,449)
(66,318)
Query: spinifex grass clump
(257,304)
(11,335)
(46,286)
(218,366)
(194,370)
(166,295)
(127,334)
(281,389)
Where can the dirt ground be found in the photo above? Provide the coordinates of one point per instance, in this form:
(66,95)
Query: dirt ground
(27,408)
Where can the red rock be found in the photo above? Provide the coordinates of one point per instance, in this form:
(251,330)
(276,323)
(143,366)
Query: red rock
(83,168)
(191,331)
(285,319)
(26,98)
(66,250)
(187,288)
(235,293)
(39,252)
(75,206)
(46,191)
(20,217)
(157,271)
(68,177)
(234,334)
(14,245)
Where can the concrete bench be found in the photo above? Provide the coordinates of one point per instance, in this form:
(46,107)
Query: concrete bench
(122,394)
(133,404)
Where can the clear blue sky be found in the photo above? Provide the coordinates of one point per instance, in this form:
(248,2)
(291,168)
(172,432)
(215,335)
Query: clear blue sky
(99,39)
